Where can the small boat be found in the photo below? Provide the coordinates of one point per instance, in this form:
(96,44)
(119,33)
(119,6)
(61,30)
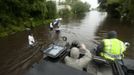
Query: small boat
(53,64)
(115,67)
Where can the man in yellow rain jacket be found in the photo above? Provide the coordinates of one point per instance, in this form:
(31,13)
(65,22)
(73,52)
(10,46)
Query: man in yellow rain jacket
(112,48)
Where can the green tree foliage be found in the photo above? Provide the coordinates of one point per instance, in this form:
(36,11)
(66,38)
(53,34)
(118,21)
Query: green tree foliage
(130,9)
(102,5)
(65,13)
(80,7)
(71,1)
(13,11)
(124,8)
(74,8)
(113,1)
(15,15)
(51,10)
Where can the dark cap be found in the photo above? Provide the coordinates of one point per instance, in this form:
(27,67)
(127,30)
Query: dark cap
(112,34)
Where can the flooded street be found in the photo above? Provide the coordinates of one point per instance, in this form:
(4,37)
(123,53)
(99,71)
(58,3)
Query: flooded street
(93,26)
(14,51)
(83,30)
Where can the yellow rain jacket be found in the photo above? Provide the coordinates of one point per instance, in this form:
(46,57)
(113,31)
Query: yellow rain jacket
(113,49)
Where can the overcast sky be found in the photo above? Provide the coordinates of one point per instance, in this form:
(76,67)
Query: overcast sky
(93,3)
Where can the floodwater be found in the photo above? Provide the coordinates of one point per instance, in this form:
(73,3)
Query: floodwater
(94,26)
(15,51)
(86,29)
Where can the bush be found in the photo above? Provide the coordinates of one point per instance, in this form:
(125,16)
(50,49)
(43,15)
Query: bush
(15,15)
(119,8)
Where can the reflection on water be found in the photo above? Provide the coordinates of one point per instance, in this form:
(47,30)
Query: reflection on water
(14,49)
(94,26)
(125,32)
(84,29)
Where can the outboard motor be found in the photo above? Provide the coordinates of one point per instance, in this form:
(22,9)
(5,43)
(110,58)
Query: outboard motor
(75,43)
(117,68)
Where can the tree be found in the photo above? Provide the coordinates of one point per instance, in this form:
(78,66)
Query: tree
(122,8)
(71,1)
(16,15)
(80,7)
(65,13)
(14,11)
(51,10)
